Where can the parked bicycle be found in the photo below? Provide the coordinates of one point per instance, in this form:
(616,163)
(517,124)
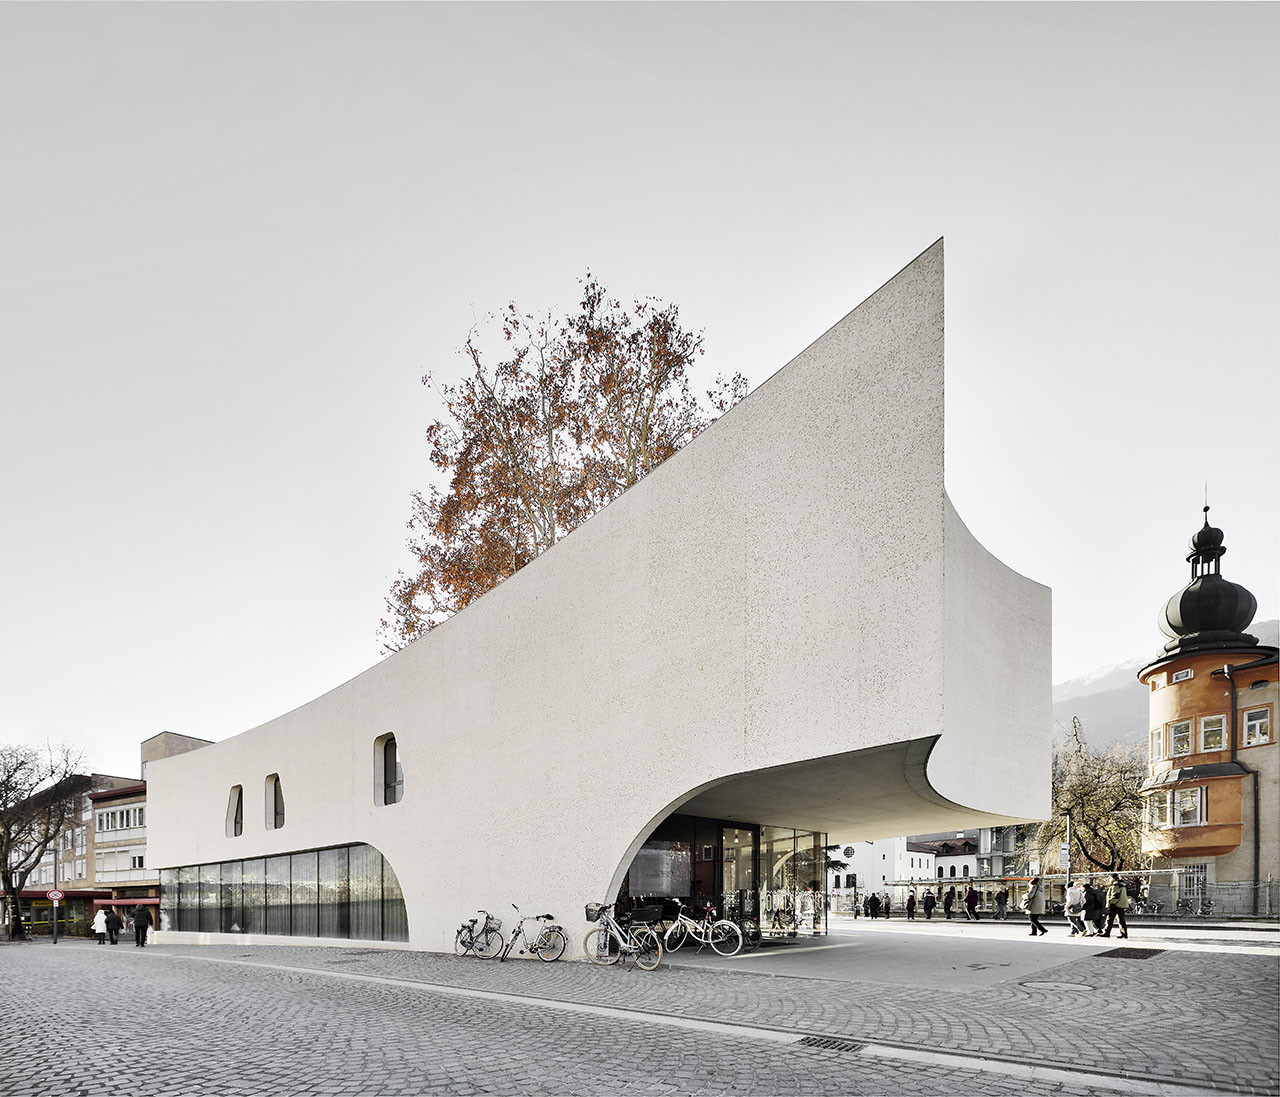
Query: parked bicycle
(783,923)
(1147,905)
(1195,904)
(547,945)
(750,928)
(485,942)
(720,933)
(609,941)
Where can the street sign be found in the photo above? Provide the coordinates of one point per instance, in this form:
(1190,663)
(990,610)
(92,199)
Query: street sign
(55,895)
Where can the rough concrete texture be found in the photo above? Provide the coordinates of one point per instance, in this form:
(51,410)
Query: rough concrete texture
(788,590)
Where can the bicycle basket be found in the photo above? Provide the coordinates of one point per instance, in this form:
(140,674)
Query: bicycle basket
(594,910)
(643,916)
(493,923)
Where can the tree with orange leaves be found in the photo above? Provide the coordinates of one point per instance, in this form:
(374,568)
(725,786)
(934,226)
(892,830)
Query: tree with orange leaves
(575,411)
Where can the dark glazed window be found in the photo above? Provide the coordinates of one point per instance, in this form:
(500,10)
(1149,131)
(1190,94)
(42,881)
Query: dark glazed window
(392,775)
(275,803)
(345,892)
(235,812)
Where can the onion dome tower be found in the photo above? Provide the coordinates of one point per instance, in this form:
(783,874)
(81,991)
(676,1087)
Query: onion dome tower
(1210,612)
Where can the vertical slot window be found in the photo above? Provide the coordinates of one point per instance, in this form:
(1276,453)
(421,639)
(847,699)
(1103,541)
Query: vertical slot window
(275,803)
(392,774)
(235,812)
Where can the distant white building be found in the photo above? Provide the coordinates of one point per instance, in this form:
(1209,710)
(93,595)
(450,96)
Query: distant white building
(879,866)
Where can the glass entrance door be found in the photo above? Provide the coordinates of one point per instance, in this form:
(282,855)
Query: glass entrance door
(738,871)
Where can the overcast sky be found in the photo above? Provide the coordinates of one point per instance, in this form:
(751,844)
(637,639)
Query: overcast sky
(235,236)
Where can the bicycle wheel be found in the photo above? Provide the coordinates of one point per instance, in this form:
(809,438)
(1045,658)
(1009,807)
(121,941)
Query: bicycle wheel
(726,938)
(551,945)
(488,944)
(648,949)
(599,946)
(750,935)
(461,943)
(676,936)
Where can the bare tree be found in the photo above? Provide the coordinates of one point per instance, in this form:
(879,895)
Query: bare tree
(39,792)
(1100,790)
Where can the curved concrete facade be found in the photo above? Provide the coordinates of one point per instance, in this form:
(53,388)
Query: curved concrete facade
(785,622)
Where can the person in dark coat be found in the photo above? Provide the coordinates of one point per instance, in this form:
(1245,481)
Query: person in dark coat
(971,904)
(141,923)
(1095,909)
(873,905)
(911,906)
(930,901)
(949,900)
(114,925)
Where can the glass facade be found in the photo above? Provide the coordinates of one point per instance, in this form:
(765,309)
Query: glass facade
(776,875)
(346,892)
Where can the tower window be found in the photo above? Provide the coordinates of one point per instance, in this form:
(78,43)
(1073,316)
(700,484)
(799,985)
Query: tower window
(1213,732)
(1179,738)
(1257,727)
(1182,675)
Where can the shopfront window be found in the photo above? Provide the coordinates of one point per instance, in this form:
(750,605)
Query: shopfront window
(348,892)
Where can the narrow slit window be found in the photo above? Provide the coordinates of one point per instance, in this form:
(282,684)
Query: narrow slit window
(392,773)
(275,803)
(235,812)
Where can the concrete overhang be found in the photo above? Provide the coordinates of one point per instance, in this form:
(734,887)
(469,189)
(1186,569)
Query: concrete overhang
(879,792)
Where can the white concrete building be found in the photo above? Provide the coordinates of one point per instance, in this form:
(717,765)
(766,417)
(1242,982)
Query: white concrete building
(784,631)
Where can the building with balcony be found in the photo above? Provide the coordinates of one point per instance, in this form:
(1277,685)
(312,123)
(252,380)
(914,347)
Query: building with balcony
(1213,790)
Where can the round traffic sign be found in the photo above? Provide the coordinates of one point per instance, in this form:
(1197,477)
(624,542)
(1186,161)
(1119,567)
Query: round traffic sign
(55,895)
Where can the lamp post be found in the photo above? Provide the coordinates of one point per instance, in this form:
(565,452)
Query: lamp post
(1067,816)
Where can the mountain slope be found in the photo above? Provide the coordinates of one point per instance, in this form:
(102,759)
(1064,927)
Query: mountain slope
(1112,704)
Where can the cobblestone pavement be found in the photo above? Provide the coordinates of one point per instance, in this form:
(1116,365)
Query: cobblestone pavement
(226,1020)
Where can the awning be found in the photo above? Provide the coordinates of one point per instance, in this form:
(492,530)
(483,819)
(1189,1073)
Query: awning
(126,902)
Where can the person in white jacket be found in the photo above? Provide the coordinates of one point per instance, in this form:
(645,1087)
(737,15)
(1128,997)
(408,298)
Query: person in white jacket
(100,926)
(1075,909)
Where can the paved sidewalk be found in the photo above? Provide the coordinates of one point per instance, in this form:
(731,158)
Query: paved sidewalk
(1203,1019)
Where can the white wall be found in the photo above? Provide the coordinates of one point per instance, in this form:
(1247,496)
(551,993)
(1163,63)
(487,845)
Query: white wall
(782,590)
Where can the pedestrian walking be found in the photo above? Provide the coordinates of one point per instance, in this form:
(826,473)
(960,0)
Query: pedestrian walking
(884,903)
(1117,904)
(1095,909)
(1075,909)
(114,925)
(1002,903)
(948,901)
(1033,904)
(911,906)
(971,904)
(141,923)
(930,901)
(873,905)
(100,926)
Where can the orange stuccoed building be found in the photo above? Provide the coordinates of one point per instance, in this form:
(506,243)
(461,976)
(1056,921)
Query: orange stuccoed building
(1213,789)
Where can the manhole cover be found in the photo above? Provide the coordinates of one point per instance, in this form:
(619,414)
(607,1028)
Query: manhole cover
(830,1043)
(1130,953)
(1057,986)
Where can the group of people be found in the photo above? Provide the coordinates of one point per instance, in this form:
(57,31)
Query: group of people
(108,924)
(876,904)
(1090,911)
(1086,906)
